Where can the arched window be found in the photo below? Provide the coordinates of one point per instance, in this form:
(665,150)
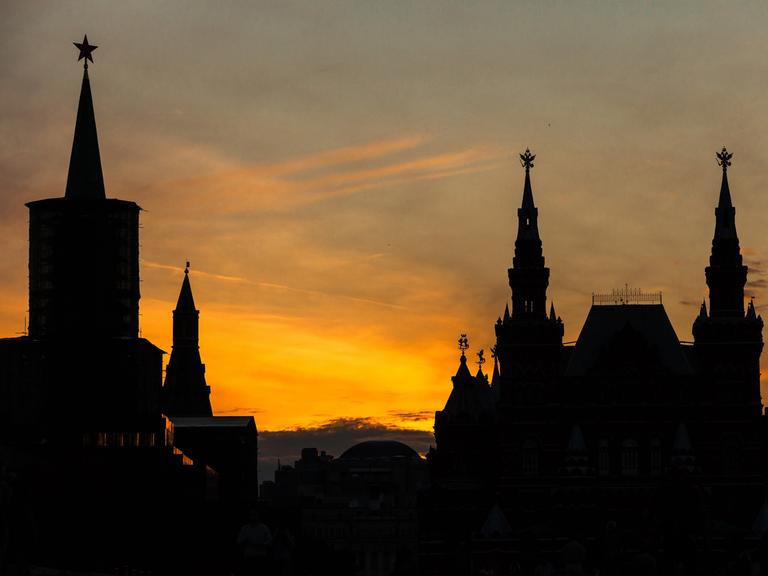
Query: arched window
(530,458)
(629,458)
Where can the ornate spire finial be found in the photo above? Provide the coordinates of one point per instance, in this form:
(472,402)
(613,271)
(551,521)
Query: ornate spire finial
(493,352)
(526,160)
(480,358)
(724,158)
(463,344)
(186,269)
(85,50)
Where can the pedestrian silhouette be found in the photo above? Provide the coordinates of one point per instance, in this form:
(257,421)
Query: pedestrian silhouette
(255,542)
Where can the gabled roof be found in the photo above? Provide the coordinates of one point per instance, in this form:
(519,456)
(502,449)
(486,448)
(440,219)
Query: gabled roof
(604,324)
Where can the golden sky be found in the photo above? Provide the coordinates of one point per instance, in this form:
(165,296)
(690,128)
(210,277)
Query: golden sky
(343,175)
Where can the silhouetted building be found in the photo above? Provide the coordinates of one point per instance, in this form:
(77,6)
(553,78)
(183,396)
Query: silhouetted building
(626,443)
(89,460)
(356,514)
(185,392)
(228,444)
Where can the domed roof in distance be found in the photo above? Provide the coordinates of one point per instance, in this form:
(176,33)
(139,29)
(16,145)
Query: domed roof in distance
(379,449)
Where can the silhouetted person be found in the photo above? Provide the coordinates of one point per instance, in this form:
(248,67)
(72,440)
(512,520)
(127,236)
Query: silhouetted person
(255,541)
(283,546)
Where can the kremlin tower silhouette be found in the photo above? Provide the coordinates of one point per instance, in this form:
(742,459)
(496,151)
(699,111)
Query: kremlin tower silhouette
(96,471)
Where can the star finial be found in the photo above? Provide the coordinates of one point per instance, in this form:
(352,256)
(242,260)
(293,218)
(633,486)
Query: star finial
(463,344)
(526,160)
(85,50)
(724,158)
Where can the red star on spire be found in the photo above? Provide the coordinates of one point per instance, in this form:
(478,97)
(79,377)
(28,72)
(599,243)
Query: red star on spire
(85,50)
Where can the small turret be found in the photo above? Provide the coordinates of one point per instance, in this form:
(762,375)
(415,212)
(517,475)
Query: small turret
(185,391)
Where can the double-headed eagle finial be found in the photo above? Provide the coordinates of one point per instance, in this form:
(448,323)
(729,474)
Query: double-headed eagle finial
(463,344)
(724,158)
(526,160)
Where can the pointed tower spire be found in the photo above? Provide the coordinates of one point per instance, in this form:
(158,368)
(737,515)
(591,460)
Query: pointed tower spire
(528,277)
(186,303)
(703,309)
(725,213)
(185,391)
(85,179)
(751,314)
(726,274)
(527,214)
(552,315)
(482,378)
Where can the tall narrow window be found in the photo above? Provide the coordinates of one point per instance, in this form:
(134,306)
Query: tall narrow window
(655,457)
(604,458)
(629,458)
(530,463)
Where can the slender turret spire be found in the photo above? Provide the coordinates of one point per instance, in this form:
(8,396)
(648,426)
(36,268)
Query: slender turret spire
(726,274)
(751,314)
(528,277)
(186,303)
(725,213)
(527,214)
(85,179)
(186,392)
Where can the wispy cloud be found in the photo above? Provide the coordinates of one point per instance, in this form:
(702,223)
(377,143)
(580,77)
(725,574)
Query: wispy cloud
(274,286)
(318,177)
(757,277)
(414,416)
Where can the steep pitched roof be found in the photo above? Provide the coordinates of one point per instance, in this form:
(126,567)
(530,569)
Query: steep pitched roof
(604,324)
(471,399)
(186,302)
(85,179)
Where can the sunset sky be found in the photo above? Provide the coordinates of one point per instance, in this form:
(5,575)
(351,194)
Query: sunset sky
(343,176)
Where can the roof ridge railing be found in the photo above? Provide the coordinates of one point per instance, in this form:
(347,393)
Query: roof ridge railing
(626,295)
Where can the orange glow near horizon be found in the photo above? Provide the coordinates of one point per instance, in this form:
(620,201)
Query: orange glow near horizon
(349,203)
